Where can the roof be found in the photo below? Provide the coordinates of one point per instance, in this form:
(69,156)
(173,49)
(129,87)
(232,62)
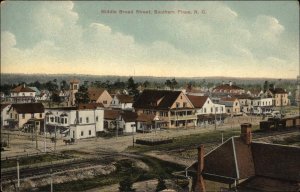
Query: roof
(111,114)
(129,116)
(197,101)
(125,98)
(278,91)
(227,87)
(157,99)
(3,105)
(94,93)
(236,160)
(28,108)
(90,106)
(22,88)
(243,96)
(37,91)
(145,117)
(74,81)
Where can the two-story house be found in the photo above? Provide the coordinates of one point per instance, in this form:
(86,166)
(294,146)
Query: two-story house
(83,121)
(121,101)
(98,95)
(232,105)
(172,108)
(280,97)
(22,94)
(21,113)
(207,111)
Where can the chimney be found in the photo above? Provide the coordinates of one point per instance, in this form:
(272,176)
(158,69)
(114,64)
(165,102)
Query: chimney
(200,186)
(246,134)
(230,83)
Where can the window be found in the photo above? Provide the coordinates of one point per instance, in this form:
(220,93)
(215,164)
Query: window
(81,133)
(80,120)
(41,115)
(211,109)
(52,119)
(23,116)
(11,115)
(87,120)
(177,105)
(66,121)
(90,132)
(23,94)
(184,104)
(216,109)
(32,115)
(104,102)
(47,119)
(16,116)
(96,118)
(204,110)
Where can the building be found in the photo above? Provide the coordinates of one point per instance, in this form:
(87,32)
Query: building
(83,121)
(245,103)
(260,105)
(127,121)
(98,95)
(280,97)
(246,165)
(21,113)
(297,96)
(22,94)
(111,119)
(228,88)
(232,105)
(4,114)
(74,87)
(207,111)
(123,102)
(172,108)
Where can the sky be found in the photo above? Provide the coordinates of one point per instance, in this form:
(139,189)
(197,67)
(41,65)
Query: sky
(228,38)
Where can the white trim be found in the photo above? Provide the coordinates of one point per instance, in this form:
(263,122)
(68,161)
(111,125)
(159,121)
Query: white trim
(235,160)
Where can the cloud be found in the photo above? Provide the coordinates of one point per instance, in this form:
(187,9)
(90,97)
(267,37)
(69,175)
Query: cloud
(218,43)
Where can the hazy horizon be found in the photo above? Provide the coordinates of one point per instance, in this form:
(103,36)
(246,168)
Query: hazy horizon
(240,39)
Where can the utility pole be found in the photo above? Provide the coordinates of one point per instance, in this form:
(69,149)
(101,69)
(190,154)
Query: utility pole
(55,138)
(215,118)
(8,139)
(18,174)
(117,128)
(45,135)
(36,136)
(51,181)
(133,136)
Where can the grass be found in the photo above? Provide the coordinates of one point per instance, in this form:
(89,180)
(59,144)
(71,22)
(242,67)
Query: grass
(189,141)
(31,160)
(125,168)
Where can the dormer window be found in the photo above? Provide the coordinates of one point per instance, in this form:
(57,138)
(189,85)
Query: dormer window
(177,105)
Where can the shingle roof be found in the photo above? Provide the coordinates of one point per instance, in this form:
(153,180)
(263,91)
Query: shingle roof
(197,101)
(157,99)
(125,98)
(111,114)
(28,108)
(95,93)
(145,117)
(21,88)
(3,106)
(129,116)
(90,106)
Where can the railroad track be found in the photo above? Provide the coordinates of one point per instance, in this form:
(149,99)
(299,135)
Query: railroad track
(47,169)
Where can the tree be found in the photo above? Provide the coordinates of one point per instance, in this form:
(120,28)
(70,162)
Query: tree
(55,98)
(82,95)
(146,83)
(125,185)
(64,85)
(161,185)
(50,86)
(171,83)
(266,86)
(132,88)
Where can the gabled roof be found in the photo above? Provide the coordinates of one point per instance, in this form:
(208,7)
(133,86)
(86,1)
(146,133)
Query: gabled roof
(21,88)
(28,108)
(90,106)
(235,160)
(129,116)
(111,114)
(4,105)
(94,93)
(197,101)
(145,117)
(156,99)
(37,91)
(125,98)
